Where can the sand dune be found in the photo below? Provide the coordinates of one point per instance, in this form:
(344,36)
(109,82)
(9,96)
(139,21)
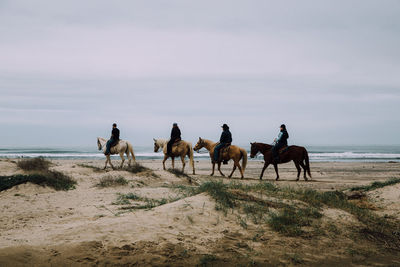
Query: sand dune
(86,226)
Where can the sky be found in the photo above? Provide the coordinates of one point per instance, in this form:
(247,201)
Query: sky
(329,70)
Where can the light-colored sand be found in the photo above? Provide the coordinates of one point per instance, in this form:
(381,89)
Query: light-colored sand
(39,225)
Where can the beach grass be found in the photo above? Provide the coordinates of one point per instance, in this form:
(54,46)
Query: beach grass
(34,164)
(376,185)
(111,181)
(54,179)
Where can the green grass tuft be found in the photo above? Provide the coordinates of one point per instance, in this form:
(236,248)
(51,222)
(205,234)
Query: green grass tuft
(110,181)
(54,179)
(376,185)
(290,220)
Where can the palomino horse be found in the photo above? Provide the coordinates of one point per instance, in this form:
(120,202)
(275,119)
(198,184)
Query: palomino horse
(234,152)
(179,149)
(298,154)
(121,148)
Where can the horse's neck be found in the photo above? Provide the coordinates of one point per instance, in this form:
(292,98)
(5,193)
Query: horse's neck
(102,141)
(265,147)
(161,142)
(208,144)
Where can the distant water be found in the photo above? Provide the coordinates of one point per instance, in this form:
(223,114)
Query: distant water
(317,153)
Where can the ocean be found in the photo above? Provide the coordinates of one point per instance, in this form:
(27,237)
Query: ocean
(316,153)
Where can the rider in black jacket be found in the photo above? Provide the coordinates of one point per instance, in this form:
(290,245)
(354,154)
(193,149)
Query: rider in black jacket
(175,136)
(113,140)
(281,142)
(225,140)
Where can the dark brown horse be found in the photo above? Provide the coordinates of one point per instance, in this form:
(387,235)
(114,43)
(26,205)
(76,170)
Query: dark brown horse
(298,154)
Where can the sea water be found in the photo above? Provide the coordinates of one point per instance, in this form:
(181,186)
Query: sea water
(316,153)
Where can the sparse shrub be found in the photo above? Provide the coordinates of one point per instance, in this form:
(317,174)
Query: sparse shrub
(207,260)
(54,179)
(109,181)
(34,164)
(376,185)
(290,220)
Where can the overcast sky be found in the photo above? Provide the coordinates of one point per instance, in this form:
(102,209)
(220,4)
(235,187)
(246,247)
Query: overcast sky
(330,70)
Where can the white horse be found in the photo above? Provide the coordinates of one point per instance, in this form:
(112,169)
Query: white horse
(121,148)
(182,149)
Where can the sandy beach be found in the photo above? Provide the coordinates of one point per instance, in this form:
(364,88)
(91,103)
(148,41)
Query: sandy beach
(91,226)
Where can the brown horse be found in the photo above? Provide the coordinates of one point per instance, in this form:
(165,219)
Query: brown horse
(298,154)
(180,149)
(234,152)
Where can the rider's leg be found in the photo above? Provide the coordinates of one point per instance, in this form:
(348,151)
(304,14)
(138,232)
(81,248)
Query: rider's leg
(216,152)
(169,147)
(108,147)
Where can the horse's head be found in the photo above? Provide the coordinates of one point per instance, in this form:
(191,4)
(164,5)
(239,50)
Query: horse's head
(254,150)
(156,145)
(99,144)
(199,145)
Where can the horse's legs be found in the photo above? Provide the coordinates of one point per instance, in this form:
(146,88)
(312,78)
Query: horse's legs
(213,169)
(105,165)
(298,170)
(122,158)
(219,169)
(173,162)
(237,164)
(276,170)
(263,169)
(183,162)
(129,158)
(164,160)
(304,169)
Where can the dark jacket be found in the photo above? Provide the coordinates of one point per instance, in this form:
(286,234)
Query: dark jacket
(115,134)
(175,133)
(283,140)
(226,137)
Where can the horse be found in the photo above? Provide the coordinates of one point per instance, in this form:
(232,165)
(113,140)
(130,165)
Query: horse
(121,148)
(179,149)
(298,154)
(234,152)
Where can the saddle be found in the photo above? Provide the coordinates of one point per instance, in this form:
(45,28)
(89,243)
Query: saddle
(177,142)
(223,154)
(283,150)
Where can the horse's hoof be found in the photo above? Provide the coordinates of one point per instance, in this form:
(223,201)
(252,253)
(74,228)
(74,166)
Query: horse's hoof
(230,176)
(260,178)
(277,178)
(242,178)
(212,174)
(297,179)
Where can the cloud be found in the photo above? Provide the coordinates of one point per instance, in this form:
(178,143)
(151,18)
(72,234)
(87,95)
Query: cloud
(329,70)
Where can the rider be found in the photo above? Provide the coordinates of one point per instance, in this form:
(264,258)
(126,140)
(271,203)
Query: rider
(175,136)
(113,140)
(225,140)
(280,142)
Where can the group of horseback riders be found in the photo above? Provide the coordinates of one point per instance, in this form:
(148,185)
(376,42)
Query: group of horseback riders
(224,141)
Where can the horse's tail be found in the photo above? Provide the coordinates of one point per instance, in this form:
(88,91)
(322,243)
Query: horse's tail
(244,159)
(307,162)
(191,157)
(130,149)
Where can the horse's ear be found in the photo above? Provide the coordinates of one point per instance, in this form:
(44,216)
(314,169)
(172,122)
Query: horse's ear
(251,143)
(154,139)
(200,138)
